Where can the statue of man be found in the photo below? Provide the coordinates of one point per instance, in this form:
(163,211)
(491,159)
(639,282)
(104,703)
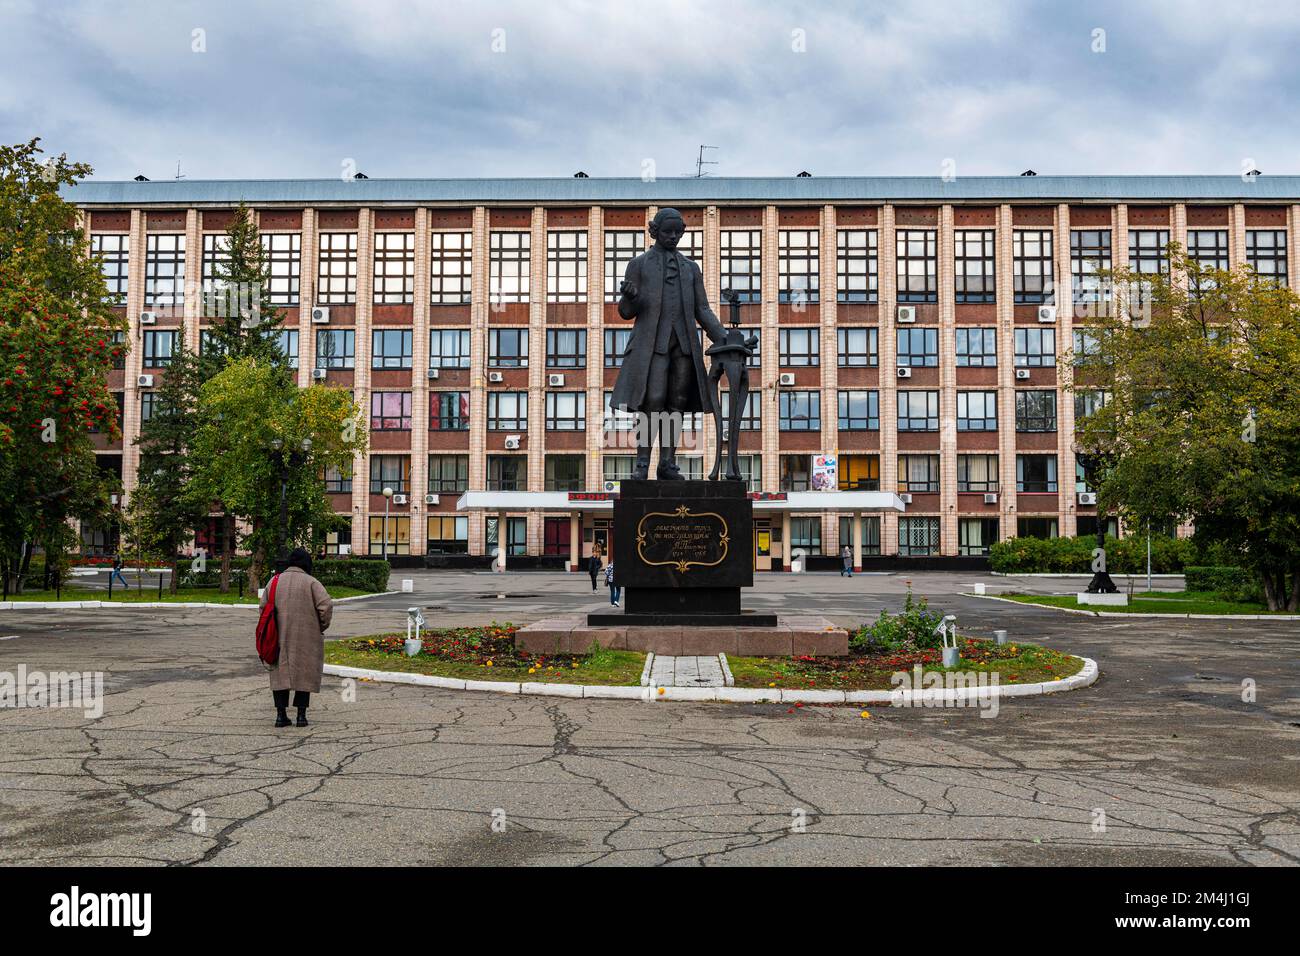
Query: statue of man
(663,375)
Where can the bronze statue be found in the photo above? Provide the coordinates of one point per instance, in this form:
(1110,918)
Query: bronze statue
(663,375)
(730,357)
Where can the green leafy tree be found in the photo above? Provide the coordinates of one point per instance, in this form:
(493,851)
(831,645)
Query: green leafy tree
(56,349)
(261,437)
(1202,419)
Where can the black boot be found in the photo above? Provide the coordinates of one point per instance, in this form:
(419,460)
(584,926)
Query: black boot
(302,717)
(641,470)
(281,718)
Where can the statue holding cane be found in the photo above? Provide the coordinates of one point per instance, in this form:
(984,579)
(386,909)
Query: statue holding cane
(731,358)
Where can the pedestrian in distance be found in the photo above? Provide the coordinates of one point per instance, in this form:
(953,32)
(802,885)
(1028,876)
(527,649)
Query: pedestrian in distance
(846,561)
(116,574)
(615,592)
(593,567)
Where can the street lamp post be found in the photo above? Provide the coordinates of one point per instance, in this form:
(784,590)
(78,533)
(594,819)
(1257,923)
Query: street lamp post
(388,497)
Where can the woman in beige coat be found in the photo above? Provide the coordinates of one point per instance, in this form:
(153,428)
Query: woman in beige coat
(302,614)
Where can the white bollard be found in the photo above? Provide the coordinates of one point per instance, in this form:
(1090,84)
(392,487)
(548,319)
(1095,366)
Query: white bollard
(408,585)
(1000,636)
(979,588)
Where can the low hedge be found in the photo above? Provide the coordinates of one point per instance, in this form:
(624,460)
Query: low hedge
(364,574)
(1227,583)
(1074,555)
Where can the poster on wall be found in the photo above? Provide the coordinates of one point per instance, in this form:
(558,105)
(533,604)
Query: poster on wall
(825,472)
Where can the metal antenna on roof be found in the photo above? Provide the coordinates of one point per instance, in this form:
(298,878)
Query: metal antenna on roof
(701,162)
(179,174)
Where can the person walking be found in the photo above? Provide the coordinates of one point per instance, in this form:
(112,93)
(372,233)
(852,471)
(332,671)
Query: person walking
(846,561)
(303,610)
(615,592)
(116,574)
(593,567)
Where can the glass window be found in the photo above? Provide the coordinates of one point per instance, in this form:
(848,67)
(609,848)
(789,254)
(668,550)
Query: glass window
(859,410)
(390,471)
(918,411)
(338,481)
(615,419)
(1036,473)
(566,348)
(800,411)
(390,348)
(448,534)
(164,270)
(798,265)
(566,266)
(566,411)
(796,472)
(1035,348)
(918,473)
(918,536)
(977,348)
(617,467)
(282,252)
(1036,528)
(508,265)
(869,542)
(390,411)
(975,535)
(390,534)
(857,270)
(858,347)
(337,269)
(1089,255)
(976,473)
(566,473)
(917,265)
(1032,262)
(616,341)
(507,473)
(149,405)
(1087,347)
(508,348)
(448,473)
(286,340)
(806,533)
(1148,255)
(621,247)
(158,348)
(974,253)
(450,265)
(449,348)
(448,411)
(556,531)
(750,415)
(859,473)
(977,411)
(1266,253)
(114,251)
(1036,411)
(507,411)
(918,348)
(1088,402)
(119,350)
(800,348)
(336,348)
(394,267)
(742,262)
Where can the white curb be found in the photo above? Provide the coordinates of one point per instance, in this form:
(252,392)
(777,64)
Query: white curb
(90,605)
(1142,614)
(727,677)
(935,696)
(645,671)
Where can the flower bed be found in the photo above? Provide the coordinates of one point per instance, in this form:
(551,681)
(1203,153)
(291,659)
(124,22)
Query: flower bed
(486,653)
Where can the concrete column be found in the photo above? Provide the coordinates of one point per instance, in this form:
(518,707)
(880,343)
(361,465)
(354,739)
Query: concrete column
(887,310)
(828,306)
(307,258)
(575,539)
(1293,248)
(1119,256)
(1237,236)
(948,382)
(479,267)
(420,385)
(1178,234)
(361,371)
(1064,373)
(770,355)
(193,280)
(595,345)
(134,355)
(1006,373)
(785,540)
(856,534)
(537,293)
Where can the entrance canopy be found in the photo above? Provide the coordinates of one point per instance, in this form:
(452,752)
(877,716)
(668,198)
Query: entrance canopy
(597,501)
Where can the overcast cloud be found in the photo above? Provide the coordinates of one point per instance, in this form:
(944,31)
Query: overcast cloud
(294,89)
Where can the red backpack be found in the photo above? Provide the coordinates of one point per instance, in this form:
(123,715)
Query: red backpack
(268,633)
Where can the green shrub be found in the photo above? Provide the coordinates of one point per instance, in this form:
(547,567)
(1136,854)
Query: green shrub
(364,574)
(1074,555)
(210,576)
(1227,583)
(914,627)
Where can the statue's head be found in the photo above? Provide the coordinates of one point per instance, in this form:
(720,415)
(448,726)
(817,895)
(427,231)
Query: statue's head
(667,228)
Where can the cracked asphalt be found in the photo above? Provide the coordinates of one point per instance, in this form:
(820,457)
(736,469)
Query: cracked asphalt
(184,767)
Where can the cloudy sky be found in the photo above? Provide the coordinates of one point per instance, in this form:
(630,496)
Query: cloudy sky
(445,88)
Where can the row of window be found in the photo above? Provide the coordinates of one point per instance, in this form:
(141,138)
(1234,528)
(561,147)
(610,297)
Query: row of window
(798,263)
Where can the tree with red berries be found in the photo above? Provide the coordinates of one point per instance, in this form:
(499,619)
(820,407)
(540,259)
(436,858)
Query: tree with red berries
(56,348)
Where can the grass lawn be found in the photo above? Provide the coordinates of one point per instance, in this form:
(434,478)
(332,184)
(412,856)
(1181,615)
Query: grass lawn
(1153,602)
(1013,663)
(150,594)
(486,653)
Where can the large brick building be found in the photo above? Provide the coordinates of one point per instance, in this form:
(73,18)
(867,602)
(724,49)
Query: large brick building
(914,328)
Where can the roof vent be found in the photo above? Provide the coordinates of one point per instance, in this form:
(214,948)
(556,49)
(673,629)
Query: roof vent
(804,175)
(1253,172)
(1029,172)
(580,175)
(360,176)
(142,178)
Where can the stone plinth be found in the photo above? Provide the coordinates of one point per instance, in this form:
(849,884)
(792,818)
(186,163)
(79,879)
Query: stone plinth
(791,636)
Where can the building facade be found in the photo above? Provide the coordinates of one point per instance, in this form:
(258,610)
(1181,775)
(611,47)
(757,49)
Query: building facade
(913,331)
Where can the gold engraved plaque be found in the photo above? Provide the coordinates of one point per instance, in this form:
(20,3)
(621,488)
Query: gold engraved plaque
(682,539)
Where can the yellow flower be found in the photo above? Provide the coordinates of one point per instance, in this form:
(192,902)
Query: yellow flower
(489,663)
(865,713)
(575,663)
(532,670)
(661,690)
(771,684)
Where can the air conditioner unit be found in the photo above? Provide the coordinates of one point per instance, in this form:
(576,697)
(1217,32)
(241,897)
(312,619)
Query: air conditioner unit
(907,313)
(112,499)
(991,498)
(320,315)
(433,373)
(1088,498)
(496,377)
(512,442)
(399,499)
(1022,373)
(145,381)
(611,487)
(148,318)
(904,372)
(786,379)
(430,499)
(1047,313)
(905,498)
(318,374)
(555,380)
